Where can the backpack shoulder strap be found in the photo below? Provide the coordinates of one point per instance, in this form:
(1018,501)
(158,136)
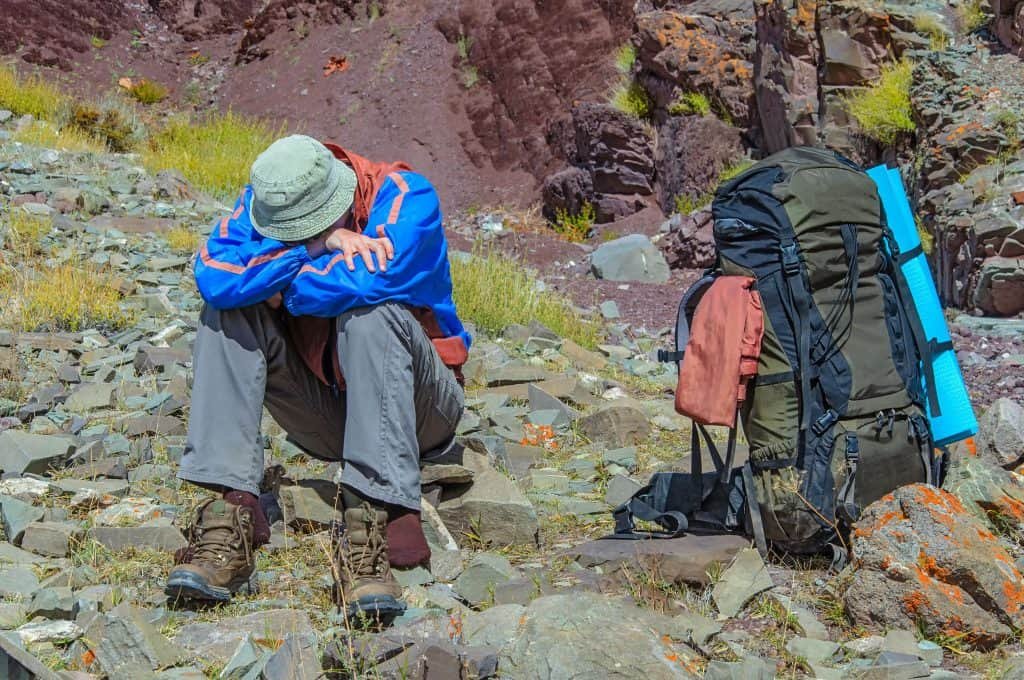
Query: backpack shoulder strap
(687,305)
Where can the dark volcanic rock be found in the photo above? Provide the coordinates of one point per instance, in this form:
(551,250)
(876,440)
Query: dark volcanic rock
(692,152)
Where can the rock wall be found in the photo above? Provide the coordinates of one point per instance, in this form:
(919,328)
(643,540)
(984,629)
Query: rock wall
(534,59)
(1009,23)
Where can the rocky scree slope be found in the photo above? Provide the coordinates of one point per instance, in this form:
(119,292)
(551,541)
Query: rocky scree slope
(92,424)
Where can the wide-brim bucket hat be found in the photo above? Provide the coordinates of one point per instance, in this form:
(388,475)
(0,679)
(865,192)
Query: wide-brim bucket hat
(298,189)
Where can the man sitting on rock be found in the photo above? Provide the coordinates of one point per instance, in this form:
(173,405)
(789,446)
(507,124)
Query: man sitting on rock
(329,301)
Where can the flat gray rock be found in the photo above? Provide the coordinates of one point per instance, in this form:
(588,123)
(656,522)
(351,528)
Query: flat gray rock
(679,560)
(21,452)
(218,641)
(167,538)
(746,577)
(18,582)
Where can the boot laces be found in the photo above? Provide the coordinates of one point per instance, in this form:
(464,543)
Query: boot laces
(369,559)
(212,540)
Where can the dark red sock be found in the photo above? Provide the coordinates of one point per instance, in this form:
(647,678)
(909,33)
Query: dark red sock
(407,546)
(260,527)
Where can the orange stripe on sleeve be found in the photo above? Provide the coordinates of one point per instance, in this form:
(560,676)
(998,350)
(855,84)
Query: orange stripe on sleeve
(310,269)
(208,260)
(403,189)
(224,228)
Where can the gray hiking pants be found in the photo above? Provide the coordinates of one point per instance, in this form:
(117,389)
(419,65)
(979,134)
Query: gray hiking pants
(400,400)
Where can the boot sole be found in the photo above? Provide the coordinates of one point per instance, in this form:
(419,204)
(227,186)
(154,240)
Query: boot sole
(380,608)
(188,586)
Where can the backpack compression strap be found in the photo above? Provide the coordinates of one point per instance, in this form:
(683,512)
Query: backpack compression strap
(687,305)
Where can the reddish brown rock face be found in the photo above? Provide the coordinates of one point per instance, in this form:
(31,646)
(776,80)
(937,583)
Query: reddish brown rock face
(928,559)
(703,53)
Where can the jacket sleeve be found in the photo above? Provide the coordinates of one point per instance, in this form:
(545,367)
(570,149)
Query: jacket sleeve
(408,208)
(237,267)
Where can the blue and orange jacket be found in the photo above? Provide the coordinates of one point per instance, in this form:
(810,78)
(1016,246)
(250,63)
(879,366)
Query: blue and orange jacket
(238,267)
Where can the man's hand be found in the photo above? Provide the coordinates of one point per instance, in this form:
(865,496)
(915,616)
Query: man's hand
(350,244)
(274,301)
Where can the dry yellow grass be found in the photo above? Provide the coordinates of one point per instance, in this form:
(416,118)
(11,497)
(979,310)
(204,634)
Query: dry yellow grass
(31,95)
(25,232)
(41,133)
(183,239)
(66,297)
(213,153)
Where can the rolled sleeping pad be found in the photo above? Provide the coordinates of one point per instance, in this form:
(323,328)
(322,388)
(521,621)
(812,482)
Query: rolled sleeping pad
(955,419)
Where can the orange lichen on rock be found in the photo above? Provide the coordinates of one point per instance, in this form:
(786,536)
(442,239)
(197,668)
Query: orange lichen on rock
(1011,507)
(539,435)
(1013,590)
(914,603)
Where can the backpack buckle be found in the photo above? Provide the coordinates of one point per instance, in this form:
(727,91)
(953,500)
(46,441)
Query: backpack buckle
(790,260)
(823,423)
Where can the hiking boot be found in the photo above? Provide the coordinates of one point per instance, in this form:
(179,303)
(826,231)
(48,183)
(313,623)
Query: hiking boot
(364,583)
(219,559)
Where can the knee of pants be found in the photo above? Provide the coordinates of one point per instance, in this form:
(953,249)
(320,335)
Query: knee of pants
(367,326)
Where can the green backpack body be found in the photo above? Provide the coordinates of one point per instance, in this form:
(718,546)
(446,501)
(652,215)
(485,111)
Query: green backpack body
(835,417)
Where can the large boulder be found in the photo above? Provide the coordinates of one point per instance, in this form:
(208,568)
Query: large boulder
(567,191)
(585,635)
(920,551)
(630,258)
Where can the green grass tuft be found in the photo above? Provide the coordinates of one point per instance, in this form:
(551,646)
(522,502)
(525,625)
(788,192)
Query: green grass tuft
(148,92)
(631,98)
(31,95)
(625,58)
(213,153)
(883,110)
(493,291)
(972,15)
(97,42)
(575,228)
(929,25)
(690,103)
(46,135)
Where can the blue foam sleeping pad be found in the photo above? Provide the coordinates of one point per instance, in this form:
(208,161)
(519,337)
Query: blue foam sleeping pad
(956,419)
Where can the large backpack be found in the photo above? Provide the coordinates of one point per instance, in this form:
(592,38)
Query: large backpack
(834,418)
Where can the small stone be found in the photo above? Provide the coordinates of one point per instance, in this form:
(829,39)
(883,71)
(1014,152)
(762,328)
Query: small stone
(18,582)
(751,668)
(166,538)
(15,516)
(57,632)
(12,615)
(53,603)
(686,559)
(610,310)
(127,512)
(620,489)
(445,474)
(746,577)
(626,457)
(310,506)
(477,581)
(630,258)
(51,539)
(296,659)
(90,397)
(812,650)
(616,424)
